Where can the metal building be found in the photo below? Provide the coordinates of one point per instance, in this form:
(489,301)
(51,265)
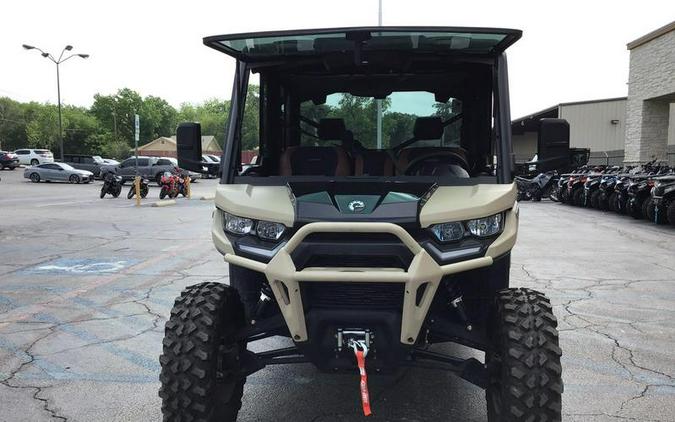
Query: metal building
(598,125)
(633,129)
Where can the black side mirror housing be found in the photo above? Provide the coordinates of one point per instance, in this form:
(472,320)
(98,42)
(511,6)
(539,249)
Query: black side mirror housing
(189,146)
(553,144)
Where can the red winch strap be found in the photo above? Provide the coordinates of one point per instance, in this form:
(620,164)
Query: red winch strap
(365,397)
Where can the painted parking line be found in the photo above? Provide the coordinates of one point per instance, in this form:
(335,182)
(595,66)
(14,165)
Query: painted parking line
(81,266)
(58,204)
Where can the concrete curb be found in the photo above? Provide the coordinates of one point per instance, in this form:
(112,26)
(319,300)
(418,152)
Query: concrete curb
(164,203)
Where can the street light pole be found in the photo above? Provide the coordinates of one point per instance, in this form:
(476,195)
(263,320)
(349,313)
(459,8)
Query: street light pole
(58,81)
(379,102)
(58,99)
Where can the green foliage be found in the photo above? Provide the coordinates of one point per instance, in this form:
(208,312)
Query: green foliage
(250,134)
(212,114)
(12,125)
(42,127)
(107,128)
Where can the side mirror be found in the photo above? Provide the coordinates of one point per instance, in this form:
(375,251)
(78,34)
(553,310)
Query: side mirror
(189,146)
(553,144)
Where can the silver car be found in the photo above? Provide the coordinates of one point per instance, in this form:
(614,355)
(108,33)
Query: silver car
(57,172)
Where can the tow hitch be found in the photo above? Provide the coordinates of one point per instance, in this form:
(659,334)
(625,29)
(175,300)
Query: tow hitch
(346,336)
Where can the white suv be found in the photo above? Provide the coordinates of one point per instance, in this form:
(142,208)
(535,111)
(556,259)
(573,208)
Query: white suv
(34,157)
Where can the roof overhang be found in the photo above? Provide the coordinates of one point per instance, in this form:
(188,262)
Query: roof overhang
(651,36)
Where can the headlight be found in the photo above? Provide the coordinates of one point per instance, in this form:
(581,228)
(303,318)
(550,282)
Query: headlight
(448,232)
(487,226)
(265,230)
(237,225)
(269,230)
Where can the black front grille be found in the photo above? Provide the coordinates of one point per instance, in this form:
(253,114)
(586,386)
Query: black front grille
(355,261)
(374,296)
(379,250)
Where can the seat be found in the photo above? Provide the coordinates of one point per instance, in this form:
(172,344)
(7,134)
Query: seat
(427,128)
(318,160)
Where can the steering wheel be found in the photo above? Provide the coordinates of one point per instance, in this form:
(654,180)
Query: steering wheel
(438,164)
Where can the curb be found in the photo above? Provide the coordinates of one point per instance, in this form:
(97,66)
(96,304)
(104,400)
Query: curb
(164,203)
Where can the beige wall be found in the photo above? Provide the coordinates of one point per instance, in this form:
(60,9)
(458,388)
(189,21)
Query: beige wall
(591,127)
(651,87)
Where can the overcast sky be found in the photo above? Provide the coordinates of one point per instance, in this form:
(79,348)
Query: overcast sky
(571,50)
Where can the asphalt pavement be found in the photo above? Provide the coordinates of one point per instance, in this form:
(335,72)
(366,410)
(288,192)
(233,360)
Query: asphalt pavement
(86,285)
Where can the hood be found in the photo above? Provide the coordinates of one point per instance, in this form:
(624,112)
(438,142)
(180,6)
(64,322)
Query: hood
(416,206)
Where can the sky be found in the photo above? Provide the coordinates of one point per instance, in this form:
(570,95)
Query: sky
(570,51)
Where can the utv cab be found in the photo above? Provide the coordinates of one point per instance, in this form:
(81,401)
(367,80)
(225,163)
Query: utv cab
(378,219)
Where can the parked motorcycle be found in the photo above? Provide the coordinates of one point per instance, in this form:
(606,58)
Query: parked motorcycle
(606,197)
(172,185)
(662,209)
(575,188)
(639,190)
(538,187)
(168,185)
(111,185)
(143,188)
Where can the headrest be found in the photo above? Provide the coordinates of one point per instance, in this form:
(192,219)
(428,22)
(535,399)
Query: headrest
(331,129)
(427,128)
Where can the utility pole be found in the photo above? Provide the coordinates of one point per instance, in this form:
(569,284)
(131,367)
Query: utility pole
(58,80)
(114,114)
(379,102)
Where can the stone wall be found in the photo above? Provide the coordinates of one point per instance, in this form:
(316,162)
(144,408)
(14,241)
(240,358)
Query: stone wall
(651,89)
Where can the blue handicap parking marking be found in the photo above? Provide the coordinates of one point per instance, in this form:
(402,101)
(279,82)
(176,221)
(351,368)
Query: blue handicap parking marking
(82,266)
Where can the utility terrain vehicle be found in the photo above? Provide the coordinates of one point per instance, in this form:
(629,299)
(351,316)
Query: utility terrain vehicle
(378,219)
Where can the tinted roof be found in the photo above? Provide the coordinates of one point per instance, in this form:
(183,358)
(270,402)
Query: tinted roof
(262,46)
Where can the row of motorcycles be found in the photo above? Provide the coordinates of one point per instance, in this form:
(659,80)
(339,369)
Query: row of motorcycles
(171,185)
(643,192)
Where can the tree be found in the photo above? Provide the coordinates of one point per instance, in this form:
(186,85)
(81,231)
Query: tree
(12,125)
(116,113)
(250,134)
(158,118)
(397,127)
(80,130)
(212,114)
(42,126)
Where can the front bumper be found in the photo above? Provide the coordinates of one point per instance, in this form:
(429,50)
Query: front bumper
(284,278)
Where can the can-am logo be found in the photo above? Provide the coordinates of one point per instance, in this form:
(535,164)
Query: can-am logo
(356,206)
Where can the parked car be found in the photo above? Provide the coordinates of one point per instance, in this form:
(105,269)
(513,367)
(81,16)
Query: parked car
(150,168)
(8,160)
(209,162)
(34,157)
(110,161)
(57,172)
(193,175)
(91,163)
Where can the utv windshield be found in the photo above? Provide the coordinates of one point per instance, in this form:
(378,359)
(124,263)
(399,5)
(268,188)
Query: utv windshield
(393,104)
(305,43)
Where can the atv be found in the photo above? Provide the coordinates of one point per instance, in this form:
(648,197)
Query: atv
(377,220)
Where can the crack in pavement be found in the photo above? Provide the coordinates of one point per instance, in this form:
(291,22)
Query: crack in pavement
(631,368)
(38,389)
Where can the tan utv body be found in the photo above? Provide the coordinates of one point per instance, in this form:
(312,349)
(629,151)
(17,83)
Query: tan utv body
(376,221)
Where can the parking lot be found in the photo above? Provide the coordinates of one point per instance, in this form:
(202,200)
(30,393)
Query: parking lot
(86,285)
